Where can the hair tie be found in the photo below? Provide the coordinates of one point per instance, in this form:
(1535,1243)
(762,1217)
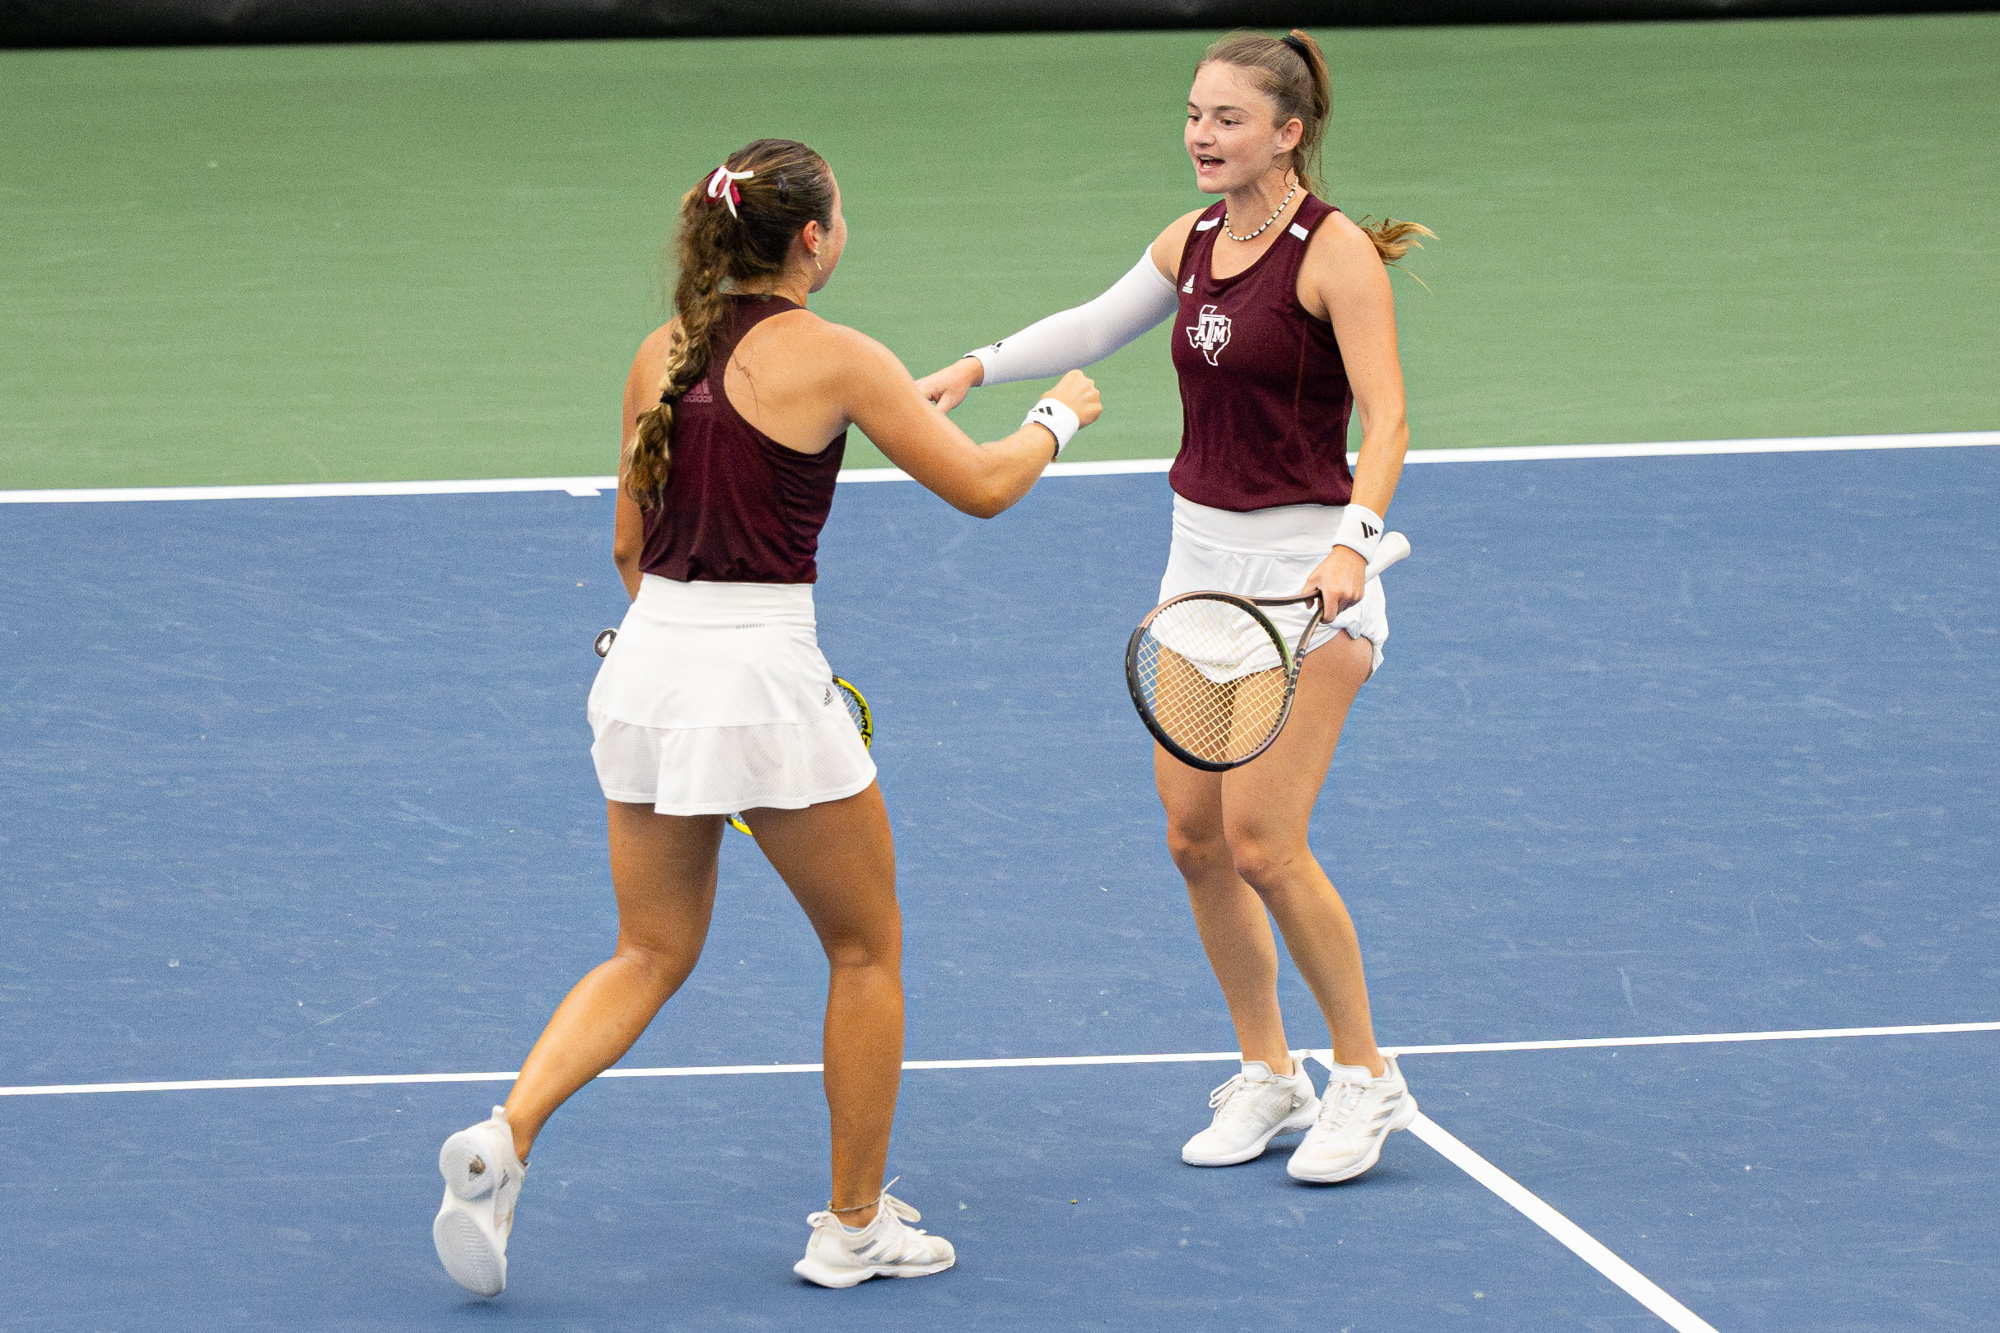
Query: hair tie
(1297,46)
(722,186)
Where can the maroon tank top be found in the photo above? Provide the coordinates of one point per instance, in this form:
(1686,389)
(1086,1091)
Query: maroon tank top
(738,506)
(1264,393)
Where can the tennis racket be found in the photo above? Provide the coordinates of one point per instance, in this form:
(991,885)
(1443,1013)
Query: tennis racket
(857,712)
(1213,678)
(856,701)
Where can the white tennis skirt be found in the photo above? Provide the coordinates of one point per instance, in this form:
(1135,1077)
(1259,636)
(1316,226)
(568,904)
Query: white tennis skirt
(715,698)
(1269,553)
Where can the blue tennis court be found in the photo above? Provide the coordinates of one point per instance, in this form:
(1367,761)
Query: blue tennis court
(298,791)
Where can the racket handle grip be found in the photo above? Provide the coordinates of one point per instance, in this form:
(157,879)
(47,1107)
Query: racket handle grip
(1393,547)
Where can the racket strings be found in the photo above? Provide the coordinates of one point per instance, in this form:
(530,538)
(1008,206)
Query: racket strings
(1213,678)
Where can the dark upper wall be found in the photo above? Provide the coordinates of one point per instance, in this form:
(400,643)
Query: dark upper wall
(173,22)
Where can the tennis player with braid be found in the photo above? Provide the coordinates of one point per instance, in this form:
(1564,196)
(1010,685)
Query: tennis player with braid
(1283,324)
(715,697)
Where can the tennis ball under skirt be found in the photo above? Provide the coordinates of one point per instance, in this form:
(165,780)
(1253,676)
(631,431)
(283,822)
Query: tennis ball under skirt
(716,699)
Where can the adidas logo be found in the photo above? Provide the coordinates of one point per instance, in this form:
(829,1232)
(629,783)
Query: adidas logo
(1188,286)
(1367,531)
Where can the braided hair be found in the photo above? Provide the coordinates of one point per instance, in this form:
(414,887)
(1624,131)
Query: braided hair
(738,234)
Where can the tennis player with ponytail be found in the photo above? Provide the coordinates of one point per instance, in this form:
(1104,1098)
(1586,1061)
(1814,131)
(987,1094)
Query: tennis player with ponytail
(1283,324)
(715,697)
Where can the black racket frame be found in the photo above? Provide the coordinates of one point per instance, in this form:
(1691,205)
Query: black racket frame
(1294,658)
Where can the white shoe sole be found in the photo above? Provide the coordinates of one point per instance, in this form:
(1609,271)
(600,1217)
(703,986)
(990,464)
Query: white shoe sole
(468,1253)
(1300,1119)
(1406,1115)
(468,1250)
(814,1271)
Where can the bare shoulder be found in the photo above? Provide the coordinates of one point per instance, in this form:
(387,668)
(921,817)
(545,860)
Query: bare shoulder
(1167,247)
(838,349)
(1339,245)
(650,362)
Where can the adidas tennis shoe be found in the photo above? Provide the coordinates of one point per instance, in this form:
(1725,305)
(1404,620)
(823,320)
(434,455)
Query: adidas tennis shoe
(482,1178)
(1357,1113)
(844,1256)
(1251,1109)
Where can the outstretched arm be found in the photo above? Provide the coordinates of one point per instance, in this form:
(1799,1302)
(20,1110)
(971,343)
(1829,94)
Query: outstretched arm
(980,479)
(1078,336)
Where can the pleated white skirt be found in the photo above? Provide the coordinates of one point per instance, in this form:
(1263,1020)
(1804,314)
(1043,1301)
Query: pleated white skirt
(716,699)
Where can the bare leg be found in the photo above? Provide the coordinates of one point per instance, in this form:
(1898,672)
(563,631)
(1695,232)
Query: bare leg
(1266,806)
(840,863)
(1234,926)
(663,870)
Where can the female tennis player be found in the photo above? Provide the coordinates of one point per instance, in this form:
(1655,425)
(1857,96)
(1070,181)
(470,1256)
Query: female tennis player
(1285,324)
(715,697)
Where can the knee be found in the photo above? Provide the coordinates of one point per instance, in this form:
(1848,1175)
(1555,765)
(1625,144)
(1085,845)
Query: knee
(1265,862)
(884,952)
(1196,848)
(661,968)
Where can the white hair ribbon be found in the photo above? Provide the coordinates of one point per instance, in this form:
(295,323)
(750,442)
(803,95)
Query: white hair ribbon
(722,186)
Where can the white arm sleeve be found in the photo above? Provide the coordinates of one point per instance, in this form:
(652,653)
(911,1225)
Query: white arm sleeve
(1090,332)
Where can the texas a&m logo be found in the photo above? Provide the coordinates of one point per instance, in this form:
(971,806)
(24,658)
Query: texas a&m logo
(1210,334)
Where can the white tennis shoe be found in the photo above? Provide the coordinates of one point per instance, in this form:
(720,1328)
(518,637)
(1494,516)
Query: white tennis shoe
(1358,1112)
(482,1178)
(1251,1109)
(844,1256)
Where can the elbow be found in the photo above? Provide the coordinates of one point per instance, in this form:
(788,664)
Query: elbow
(983,508)
(625,555)
(1386,421)
(988,500)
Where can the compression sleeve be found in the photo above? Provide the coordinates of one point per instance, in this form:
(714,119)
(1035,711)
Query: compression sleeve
(1090,332)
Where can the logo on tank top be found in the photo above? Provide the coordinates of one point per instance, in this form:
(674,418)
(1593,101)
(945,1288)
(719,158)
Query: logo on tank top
(1210,334)
(700,393)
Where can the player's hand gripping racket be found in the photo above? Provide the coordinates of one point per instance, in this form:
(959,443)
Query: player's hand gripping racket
(857,710)
(1213,678)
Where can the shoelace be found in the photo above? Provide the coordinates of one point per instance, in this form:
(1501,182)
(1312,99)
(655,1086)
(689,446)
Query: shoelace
(1338,1103)
(1226,1096)
(1222,1094)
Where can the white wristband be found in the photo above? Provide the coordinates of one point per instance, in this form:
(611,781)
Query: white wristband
(1360,530)
(1059,421)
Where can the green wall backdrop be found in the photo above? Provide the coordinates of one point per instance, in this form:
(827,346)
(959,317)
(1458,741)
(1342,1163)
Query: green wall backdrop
(405,262)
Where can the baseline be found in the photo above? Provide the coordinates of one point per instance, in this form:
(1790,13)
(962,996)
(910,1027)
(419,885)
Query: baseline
(1325,1057)
(592,486)
(1581,1043)
(508,1076)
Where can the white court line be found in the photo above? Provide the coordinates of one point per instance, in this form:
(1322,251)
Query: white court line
(1585,1246)
(589,486)
(508,1076)
(1580,1043)
(1021,1062)
(315,490)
